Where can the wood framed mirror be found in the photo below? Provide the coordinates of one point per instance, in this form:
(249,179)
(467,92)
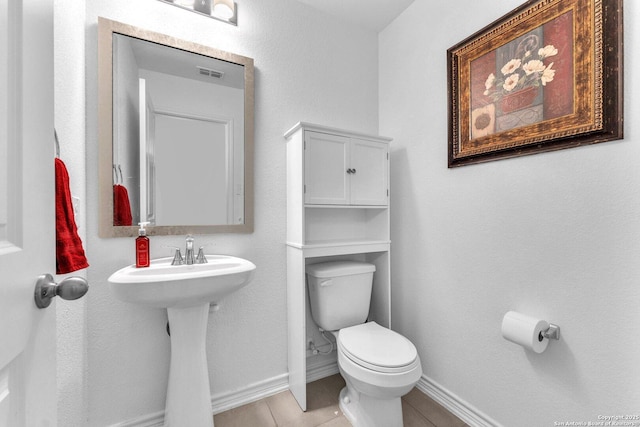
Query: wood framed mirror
(176,130)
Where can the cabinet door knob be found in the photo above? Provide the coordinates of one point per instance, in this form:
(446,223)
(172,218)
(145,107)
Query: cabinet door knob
(349,170)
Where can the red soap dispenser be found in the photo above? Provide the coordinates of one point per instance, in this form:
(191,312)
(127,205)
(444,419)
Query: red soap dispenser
(142,247)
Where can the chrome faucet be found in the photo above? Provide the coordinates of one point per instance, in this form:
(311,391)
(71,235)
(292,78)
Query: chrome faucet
(177,258)
(188,256)
(201,258)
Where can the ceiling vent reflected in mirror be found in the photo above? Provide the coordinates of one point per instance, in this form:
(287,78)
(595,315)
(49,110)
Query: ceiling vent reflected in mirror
(209,72)
(221,10)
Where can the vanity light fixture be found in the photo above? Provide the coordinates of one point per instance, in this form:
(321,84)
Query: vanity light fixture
(221,10)
(225,9)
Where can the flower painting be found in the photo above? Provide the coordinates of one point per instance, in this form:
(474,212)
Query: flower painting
(533,74)
(546,76)
(519,79)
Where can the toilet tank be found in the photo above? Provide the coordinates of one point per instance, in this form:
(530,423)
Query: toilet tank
(340,293)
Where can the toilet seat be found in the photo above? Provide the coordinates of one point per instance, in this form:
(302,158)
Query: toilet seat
(377,348)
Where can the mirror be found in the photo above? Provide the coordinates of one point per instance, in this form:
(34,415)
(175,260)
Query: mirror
(175,135)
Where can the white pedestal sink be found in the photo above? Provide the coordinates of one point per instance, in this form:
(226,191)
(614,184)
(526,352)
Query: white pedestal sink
(186,291)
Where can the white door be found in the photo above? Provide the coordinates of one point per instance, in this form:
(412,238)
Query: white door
(27,237)
(326,160)
(369,173)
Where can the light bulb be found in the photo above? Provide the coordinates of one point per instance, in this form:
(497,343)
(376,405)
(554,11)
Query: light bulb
(223,9)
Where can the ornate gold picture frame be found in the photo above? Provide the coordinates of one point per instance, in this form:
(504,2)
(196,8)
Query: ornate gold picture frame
(544,77)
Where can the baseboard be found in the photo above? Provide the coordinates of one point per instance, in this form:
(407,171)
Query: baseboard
(318,369)
(150,420)
(458,407)
(224,401)
(221,402)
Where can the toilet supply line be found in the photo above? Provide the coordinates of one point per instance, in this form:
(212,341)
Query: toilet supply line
(316,350)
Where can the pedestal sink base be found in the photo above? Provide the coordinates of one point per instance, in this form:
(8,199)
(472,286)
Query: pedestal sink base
(188,392)
(186,292)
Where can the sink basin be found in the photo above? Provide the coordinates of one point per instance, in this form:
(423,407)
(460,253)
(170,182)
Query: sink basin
(165,285)
(186,291)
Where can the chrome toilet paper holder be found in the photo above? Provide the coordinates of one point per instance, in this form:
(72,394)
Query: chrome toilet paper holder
(553,333)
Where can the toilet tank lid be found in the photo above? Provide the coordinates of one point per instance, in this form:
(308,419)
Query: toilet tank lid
(339,268)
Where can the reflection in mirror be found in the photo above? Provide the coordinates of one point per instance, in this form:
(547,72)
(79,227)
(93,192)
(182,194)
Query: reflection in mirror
(184,136)
(180,135)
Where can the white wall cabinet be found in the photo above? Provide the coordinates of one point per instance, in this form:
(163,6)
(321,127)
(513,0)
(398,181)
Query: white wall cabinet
(341,170)
(337,208)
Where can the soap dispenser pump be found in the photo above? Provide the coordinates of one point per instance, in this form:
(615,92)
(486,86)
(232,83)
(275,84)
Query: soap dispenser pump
(142,247)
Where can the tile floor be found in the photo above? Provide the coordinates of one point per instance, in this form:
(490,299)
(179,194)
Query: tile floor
(281,410)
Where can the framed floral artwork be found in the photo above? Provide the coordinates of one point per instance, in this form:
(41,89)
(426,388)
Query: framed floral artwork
(546,76)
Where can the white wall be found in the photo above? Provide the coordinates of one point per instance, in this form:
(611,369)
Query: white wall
(554,235)
(308,67)
(69,122)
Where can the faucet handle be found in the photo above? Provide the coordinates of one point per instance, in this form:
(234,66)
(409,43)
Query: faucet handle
(201,258)
(177,258)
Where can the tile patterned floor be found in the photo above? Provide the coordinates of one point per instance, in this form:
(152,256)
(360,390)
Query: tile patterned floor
(281,410)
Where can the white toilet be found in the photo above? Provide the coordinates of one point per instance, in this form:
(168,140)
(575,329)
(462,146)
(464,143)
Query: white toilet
(378,365)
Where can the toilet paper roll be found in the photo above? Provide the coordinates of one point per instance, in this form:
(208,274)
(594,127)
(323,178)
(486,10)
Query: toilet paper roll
(525,331)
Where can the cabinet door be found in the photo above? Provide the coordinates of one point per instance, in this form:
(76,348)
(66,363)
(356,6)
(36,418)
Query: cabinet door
(326,159)
(369,179)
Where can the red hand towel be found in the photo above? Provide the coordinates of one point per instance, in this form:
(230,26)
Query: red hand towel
(121,206)
(69,252)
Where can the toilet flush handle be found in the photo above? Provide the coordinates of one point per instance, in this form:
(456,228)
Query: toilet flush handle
(327,282)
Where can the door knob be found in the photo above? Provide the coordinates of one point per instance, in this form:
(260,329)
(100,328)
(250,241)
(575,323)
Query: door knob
(70,288)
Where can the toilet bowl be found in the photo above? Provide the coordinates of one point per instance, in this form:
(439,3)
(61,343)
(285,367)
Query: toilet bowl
(378,365)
